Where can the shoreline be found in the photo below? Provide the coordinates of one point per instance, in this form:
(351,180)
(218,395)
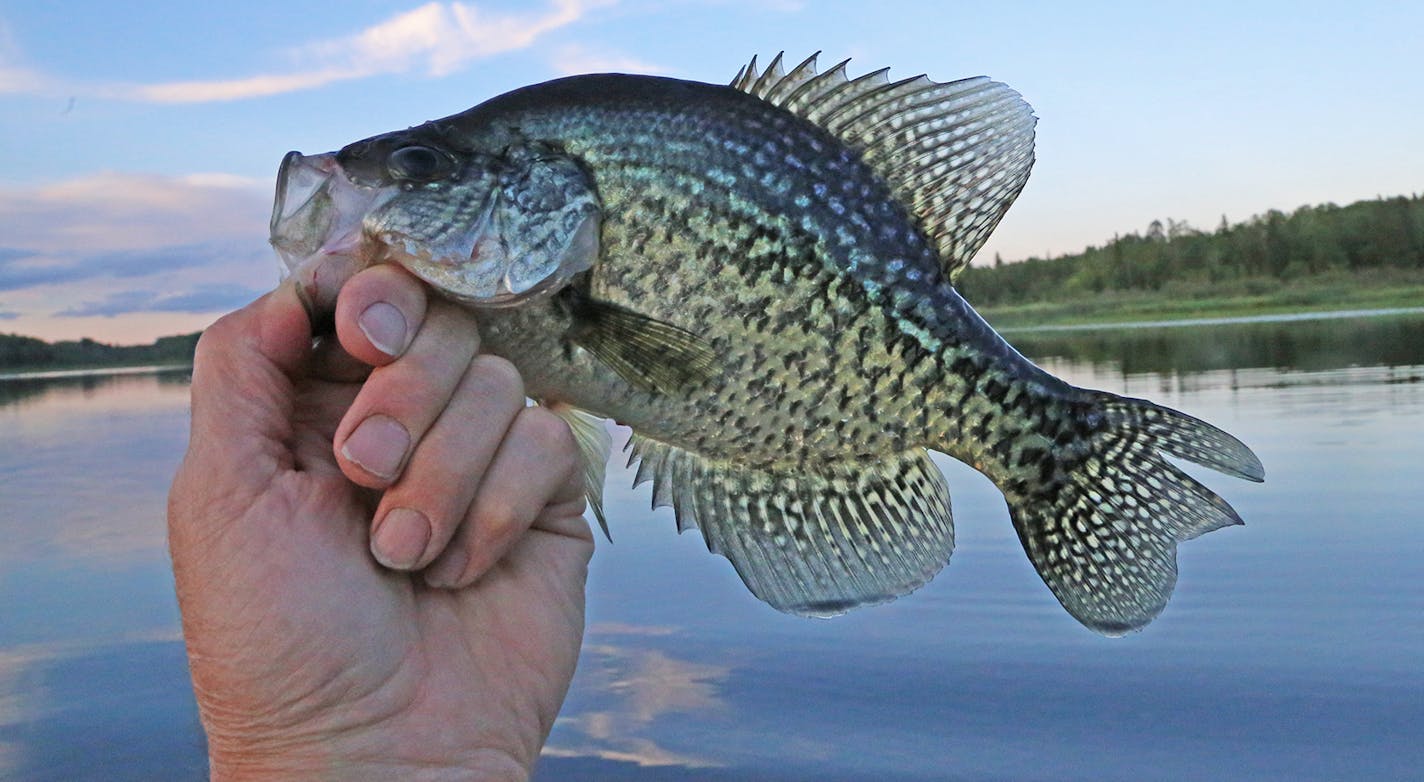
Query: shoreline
(1302,297)
(54,374)
(1222,320)
(1036,328)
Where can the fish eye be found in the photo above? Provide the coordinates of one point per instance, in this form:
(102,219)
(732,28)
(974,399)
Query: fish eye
(419,164)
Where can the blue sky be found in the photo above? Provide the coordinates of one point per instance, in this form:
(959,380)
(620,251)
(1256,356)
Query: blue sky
(140,140)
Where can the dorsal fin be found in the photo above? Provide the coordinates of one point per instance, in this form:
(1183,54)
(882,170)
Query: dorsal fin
(956,154)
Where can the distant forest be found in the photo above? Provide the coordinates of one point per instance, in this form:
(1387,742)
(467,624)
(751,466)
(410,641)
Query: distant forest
(1174,257)
(17,352)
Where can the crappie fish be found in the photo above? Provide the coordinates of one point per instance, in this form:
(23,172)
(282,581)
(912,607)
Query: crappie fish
(758,280)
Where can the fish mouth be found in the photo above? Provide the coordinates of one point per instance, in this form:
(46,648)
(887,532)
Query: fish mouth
(493,252)
(299,178)
(317,209)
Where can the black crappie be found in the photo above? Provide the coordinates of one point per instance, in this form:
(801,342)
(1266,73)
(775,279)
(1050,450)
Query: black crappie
(757,279)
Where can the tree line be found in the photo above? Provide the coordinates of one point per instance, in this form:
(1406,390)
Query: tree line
(20,352)
(1313,240)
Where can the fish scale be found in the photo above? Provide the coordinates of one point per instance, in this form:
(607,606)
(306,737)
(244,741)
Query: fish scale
(770,307)
(754,248)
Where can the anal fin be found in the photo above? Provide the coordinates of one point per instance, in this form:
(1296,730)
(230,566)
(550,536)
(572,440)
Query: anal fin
(814,542)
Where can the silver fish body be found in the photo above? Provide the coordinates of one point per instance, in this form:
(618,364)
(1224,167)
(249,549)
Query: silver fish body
(769,306)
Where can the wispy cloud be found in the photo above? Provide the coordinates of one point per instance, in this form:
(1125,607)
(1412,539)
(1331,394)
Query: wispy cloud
(26,270)
(18,79)
(574,59)
(113,244)
(437,39)
(232,89)
(202,298)
(14,77)
(110,211)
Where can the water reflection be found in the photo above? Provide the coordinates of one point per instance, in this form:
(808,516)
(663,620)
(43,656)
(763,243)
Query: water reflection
(87,463)
(134,385)
(1290,652)
(628,689)
(1313,345)
(116,711)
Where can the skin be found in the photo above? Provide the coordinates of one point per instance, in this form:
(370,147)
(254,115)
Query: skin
(325,640)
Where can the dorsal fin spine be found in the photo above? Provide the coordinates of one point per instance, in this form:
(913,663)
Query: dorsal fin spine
(956,154)
(828,98)
(737,80)
(862,87)
(746,76)
(794,81)
(771,75)
(818,88)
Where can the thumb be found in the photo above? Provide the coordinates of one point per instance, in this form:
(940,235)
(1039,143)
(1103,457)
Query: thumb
(244,373)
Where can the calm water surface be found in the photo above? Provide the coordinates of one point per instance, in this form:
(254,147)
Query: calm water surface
(1293,650)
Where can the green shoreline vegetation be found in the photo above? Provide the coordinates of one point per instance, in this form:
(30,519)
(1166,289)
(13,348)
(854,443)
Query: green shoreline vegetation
(28,354)
(1366,291)
(1365,256)
(1368,255)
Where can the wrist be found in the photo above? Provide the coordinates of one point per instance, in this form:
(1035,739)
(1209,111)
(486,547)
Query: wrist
(359,742)
(341,762)
(251,767)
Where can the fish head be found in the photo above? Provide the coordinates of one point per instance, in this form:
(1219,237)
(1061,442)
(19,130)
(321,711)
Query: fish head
(489,229)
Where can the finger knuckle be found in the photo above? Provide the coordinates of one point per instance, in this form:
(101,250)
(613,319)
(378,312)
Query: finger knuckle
(215,344)
(219,333)
(549,434)
(494,521)
(424,363)
(497,377)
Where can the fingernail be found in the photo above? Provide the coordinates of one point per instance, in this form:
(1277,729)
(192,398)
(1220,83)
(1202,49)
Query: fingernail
(385,326)
(400,538)
(446,572)
(378,445)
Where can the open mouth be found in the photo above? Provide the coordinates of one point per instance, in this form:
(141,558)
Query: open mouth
(325,226)
(317,209)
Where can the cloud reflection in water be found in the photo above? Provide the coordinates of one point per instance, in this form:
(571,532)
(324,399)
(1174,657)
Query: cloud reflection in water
(632,688)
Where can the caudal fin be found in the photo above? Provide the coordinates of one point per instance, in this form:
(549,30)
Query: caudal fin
(1103,523)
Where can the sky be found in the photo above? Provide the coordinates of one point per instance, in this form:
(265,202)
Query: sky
(139,141)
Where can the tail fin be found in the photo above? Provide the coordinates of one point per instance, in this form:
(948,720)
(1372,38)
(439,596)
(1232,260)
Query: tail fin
(1102,527)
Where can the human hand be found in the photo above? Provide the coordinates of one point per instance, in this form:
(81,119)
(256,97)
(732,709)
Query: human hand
(309,658)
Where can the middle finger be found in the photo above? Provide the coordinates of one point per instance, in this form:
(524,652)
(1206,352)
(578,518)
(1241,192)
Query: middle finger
(420,513)
(400,400)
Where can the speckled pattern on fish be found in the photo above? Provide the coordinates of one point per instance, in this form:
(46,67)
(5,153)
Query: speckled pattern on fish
(770,306)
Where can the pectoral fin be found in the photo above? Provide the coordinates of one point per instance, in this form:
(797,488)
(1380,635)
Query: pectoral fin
(652,355)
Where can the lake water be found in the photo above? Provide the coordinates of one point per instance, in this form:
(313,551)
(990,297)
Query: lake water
(1293,650)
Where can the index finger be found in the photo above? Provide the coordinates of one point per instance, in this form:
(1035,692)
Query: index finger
(378,313)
